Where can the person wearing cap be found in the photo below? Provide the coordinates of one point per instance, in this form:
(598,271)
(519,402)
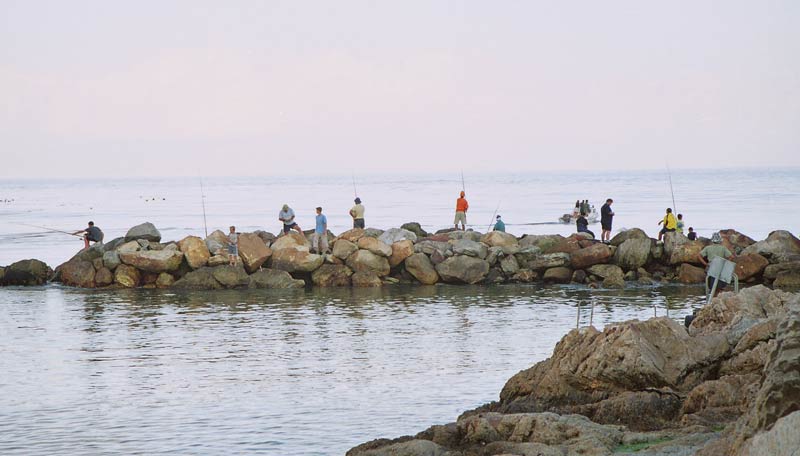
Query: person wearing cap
(716,249)
(286,215)
(461,211)
(357,212)
(669,222)
(499,225)
(90,233)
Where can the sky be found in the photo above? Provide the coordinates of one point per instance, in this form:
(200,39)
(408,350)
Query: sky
(209,88)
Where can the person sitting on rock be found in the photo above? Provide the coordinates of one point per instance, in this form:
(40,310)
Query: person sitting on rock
(461,212)
(669,222)
(233,246)
(716,249)
(90,233)
(583,224)
(499,225)
(286,215)
(357,212)
(692,235)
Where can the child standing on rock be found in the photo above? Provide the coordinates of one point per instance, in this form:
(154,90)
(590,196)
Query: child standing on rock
(233,246)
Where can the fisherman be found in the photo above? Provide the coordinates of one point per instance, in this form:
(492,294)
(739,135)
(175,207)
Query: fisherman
(669,223)
(357,212)
(233,246)
(319,243)
(583,225)
(499,225)
(286,215)
(692,235)
(606,218)
(716,249)
(462,206)
(90,233)
(680,225)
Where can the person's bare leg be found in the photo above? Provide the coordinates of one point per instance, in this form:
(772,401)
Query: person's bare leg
(299,230)
(86,242)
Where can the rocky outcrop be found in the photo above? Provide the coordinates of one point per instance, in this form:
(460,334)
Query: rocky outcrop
(253,251)
(146,231)
(26,273)
(779,247)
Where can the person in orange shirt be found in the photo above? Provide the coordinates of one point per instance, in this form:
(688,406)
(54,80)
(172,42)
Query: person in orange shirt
(461,212)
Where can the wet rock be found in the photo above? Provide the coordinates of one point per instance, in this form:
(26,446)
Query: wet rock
(420,266)
(589,256)
(499,239)
(366,279)
(633,253)
(375,246)
(367,261)
(343,248)
(393,235)
(634,233)
(691,274)
(199,279)
(470,248)
(638,410)
(579,276)
(559,274)
(153,260)
(253,251)
(295,259)
(780,246)
(127,276)
(547,261)
(612,275)
(195,250)
(509,265)
(400,251)
(415,228)
(165,280)
(273,278)
(329,275)
(231,276)
(77,273)
(146,231)
(464,269)
(103,277)
(26,273)
(750,265)
(525,276)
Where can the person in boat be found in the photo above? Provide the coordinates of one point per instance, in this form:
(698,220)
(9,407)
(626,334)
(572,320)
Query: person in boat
(679,226)
(90,233)
(499,225)
(577,211)
(606,219)
(357,213)
(462,206)
(583,224)
(692,235)
(669,222)
(716,249)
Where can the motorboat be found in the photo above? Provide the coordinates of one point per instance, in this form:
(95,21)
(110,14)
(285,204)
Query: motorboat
(569,217)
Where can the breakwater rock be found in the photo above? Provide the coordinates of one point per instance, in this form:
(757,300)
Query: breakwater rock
(371,257)
(727,385)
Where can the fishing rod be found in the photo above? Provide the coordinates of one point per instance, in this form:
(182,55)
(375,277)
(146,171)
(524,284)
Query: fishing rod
(51,229)
(493,216)
(355,190)
(463,187)
(669,175)
(203,202)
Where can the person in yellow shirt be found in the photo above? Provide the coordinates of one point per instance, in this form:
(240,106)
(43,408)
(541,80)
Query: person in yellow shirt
(669,223)
(357,213)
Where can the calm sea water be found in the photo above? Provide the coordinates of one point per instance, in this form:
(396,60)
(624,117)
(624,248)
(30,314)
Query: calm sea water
(309,371)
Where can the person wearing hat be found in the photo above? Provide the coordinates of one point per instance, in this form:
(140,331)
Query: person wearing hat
(461,211)
(357,212)
(286,215)
(499,225)
(716,249)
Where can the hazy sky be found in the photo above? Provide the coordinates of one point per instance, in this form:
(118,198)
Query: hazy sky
(142,88)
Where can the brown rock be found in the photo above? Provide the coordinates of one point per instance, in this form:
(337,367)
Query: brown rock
(787,280)
(127,276)
(589,256)
(352,235)
(365,279)
(253,251)
(273,278)
(103,277)
(691,274)
(295,260)
(558,275)
(779,247)
(771,272)
(421,267)
(330,275)
(366,261)
(400,251)
(165,280)
(153,260)
(78,273)
(612,275)
(525,276)
(463,269)
(750,265)
(735,241)
(218,260)
(292,240)
(195,250)
(342,248)
(375,246)
(499,239)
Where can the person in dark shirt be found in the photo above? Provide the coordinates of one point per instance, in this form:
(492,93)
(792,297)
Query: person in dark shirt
(91,233)
(606,218)
(692,235)
(583,225)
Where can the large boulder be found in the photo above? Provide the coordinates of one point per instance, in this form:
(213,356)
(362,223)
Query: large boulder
(146,231)
(231,276)
(273,278)
(420,266)
(415,228)
(127,276)
(428,246)
(103,277)
(589,256)
(547,261)
(787,281)
(771,272)
(780,246)
(612,275)
(375,246)
(367,261)
(499,239)
(165,280)
(400,251)
(366,279)
(688,273)
(558,274)
(111,260)
(199,279)
(509,265)
(542,241)
(153,260)
(26,272)
(735,241)
(681,250)
(622,236)
(633,253)
(77,273)
(253,251)
(393,235)
(750,265)
(352,235)
(342,248)
(295,259)
(332,275)
(217,242)
(470,248)
(290,240)
(195,250)
(464,269)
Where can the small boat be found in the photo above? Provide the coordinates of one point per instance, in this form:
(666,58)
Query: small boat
(569,217)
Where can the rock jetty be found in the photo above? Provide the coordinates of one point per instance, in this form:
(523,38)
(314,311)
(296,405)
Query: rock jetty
(727,385)
(373,258)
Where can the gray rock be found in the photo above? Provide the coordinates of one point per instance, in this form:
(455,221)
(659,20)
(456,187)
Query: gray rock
(633,233)
(111,260)
(509,265)
(146,231)
(461,268)
(633,253)
(393,235)
(779,247)
(27,273)
(200,279)
(428,247)
(415,228)
(273,278)
(421,267)
(542,241)
(231,276)
(612,275)
(373,232)
(547,261)
(470,248)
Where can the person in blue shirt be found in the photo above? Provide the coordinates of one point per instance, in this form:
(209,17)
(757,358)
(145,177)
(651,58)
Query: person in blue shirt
(499,225)
(319,244)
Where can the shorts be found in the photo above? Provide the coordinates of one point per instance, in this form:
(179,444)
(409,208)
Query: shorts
(287,228)
(720,286)
(233,249)
(92,238)
(665,230)
(460,217)
(359,223)
(605,225)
